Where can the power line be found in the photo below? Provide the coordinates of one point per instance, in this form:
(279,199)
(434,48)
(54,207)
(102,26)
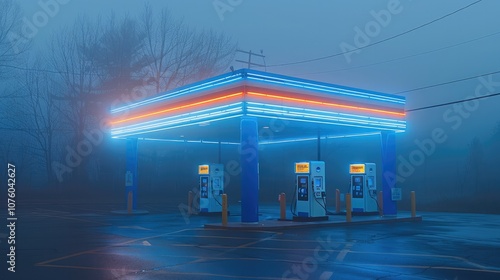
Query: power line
(378,42)
(453,102)
(49,71)
(449,82)
(32,69)
(405,57)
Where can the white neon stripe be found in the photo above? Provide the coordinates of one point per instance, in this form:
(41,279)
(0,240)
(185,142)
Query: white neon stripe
(347,91)
(263,78)
(167,124)
(236,105)
(328,123)
(188,141)
(339,122)
(282,107)
(325,88)
(174,122)
(178,126)
(333,119)
(321,115)
(316,138)
(177,93)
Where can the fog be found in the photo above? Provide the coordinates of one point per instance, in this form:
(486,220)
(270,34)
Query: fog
(59,78)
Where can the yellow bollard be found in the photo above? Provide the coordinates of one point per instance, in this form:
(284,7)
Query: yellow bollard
(190,203)
(130,202)
(224,209)
(337,201)
(282,206)
(348,207)
(381,203)
(413,205)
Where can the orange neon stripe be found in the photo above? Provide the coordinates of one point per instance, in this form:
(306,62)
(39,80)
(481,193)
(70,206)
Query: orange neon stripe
(326,103)
(178,108)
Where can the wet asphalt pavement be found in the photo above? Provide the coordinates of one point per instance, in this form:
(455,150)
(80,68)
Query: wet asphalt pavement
(86,241)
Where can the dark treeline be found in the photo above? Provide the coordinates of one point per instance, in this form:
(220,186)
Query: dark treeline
(56,96)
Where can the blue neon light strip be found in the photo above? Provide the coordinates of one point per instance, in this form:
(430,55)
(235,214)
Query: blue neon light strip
(242,74)
(316,138)
(168,124)
(182,91)
(262,110)
(280,108)
(175,126)
(301,114)
(189,141)
(164,123)
(325,88)
(262,142)
(322,122)
(355,123)
(218,109)
(335,121)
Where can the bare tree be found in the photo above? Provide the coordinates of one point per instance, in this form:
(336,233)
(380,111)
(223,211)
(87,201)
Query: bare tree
(119,56)
(12,41)
(99,61)
(36,120)
(79,76)
(179,54)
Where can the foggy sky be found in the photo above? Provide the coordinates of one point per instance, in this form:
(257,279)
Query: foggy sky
(294,30)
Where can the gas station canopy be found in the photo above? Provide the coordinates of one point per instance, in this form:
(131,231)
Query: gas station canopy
(211,110)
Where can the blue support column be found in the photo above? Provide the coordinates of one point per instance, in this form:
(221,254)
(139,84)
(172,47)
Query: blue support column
(249,161)
(131,185)
(388,140)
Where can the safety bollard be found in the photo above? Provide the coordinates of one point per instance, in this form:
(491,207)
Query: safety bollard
(130,202)
(282,199)
(413,205)
(381,203)
(337,201)
(190,203)
(348,207)
(224,209)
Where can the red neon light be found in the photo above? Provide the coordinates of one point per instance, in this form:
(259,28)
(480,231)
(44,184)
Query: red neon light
(270,96)
(196,104)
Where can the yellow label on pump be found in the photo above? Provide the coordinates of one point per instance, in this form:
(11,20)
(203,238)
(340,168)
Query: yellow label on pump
(203,169)
(356,168)
(302,167)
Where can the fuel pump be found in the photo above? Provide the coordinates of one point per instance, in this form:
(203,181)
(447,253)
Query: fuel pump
(310,191)
(364,188)
(211,187)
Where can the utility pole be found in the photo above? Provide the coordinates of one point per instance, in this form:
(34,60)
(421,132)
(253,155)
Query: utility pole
(249,63)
